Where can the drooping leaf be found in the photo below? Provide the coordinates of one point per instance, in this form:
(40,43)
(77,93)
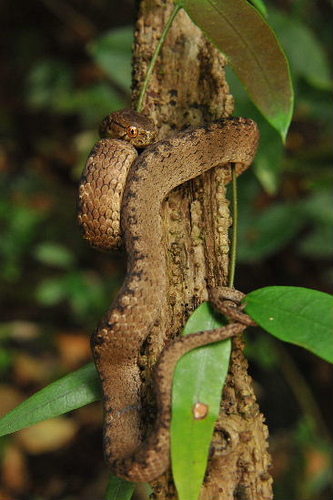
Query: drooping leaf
(119,489)
(198,380)
(241,33)
(297,315)
(72,391)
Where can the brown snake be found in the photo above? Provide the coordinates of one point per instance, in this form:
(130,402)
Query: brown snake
(117,341)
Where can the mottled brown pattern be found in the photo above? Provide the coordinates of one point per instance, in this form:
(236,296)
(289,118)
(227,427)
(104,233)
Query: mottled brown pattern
(118,339)
(103,181)
(101,191)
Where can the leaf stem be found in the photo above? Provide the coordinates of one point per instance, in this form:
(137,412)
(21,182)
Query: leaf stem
(152,63)
(233,250)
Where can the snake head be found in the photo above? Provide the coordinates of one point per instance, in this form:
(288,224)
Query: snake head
(128,125)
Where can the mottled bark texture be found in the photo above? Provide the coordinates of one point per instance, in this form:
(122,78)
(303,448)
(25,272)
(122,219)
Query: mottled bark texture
(188,87)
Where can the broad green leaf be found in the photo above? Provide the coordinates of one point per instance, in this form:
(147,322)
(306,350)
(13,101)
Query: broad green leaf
(113,53)
(72,391)
(241,33)
(263,234)
(297,315)
(119,489)
(306,56)
(199,378)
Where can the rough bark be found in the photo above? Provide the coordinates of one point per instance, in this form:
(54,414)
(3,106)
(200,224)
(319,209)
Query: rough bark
(188,87)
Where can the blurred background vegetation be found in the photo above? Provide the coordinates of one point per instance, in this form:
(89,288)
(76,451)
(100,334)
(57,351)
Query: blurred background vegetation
(65,65)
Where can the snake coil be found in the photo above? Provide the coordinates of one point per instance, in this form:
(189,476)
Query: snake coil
(121,189)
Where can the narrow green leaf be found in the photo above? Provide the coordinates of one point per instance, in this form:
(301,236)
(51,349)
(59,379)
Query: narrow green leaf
(297,315)
(119,489)
(199,378)
(240,32)
(76,389)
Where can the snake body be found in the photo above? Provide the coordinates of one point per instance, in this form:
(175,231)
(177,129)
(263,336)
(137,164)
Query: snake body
(118,339)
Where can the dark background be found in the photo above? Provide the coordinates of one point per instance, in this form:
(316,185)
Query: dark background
(60,75)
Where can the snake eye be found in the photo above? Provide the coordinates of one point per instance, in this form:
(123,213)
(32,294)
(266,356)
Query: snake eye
(132,131)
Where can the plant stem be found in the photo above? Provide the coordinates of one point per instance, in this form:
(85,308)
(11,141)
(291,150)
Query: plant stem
(233,250)
(152,63)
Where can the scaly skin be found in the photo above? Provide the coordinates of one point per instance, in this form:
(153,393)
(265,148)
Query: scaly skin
(117,341)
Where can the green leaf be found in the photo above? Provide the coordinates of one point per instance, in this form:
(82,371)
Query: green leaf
(51,291)
(306,56)
(318,208)
(261,235)
(199,378)
(239,31)
(262,350)
(259,4)
(68,393)
(318,243)
(19,225)
(119,489)
(51,86)
(54,254)
(92,102)
(50,82)
(297,315)
(268,162)
(113,53)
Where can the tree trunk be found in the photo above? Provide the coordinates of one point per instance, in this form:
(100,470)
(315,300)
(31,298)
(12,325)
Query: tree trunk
(188,87)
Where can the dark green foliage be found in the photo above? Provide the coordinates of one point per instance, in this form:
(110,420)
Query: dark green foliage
(56,93)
